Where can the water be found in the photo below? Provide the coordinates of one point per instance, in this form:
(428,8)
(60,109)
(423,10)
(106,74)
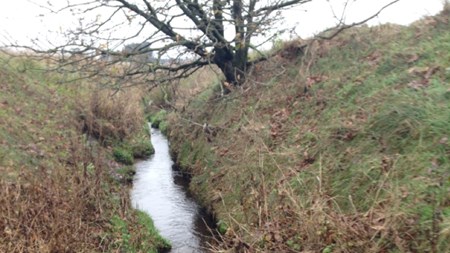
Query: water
(161,192)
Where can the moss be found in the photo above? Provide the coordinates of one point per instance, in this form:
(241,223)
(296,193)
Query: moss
(160,243)
(140,144)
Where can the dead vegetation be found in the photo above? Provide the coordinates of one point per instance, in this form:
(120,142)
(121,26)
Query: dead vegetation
(113,114)
(56,213)
(58,194)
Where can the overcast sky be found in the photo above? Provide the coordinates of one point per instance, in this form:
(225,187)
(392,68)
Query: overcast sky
(22,20)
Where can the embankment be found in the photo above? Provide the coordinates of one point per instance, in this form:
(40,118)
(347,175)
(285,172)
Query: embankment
(60,188)
(344,148)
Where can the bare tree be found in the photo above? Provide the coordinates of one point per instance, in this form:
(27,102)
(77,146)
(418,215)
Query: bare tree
(181,36)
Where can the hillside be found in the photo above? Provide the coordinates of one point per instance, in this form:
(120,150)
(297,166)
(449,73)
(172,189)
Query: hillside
(343,147)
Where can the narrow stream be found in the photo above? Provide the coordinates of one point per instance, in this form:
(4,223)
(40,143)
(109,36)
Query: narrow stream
(162,193)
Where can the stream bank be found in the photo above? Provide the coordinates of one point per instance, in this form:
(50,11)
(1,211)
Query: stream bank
(345,150)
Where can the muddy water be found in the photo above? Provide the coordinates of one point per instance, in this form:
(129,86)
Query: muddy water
(161,192)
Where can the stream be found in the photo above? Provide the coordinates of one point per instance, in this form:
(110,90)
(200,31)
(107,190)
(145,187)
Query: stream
(161,192)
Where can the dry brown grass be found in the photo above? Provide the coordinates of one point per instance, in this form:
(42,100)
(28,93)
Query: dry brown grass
(177,94)
(113,114)
(58,210)
(57,194)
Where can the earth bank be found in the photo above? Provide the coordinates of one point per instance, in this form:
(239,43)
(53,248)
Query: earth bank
(343,148)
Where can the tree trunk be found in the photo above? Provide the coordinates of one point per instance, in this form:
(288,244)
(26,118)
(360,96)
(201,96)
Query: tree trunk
(232,61)
(233,68)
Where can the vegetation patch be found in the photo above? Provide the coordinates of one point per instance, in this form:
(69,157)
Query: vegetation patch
(58,194)
(140,144)
(344,149)
(143,149)
(123,155)
(126,174)
(126,235)
(158,118)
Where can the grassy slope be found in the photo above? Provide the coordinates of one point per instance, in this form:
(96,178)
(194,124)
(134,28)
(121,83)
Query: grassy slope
(358,163)
(57,194)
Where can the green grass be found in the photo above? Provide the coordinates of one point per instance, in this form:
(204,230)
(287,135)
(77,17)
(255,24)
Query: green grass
(142,148)
(125,243)
(157,118)
(127,173)
(359,163)
(123,155)
(137,146)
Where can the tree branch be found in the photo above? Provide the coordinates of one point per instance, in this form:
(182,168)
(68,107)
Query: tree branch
(282,4)
(345,27)
(153,19)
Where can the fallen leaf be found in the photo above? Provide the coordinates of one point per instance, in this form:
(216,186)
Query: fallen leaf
(430,72)
(311,80)
(418,70)
(278,237)
(413,58)
(379,227)
(8,231)
(373,58)
(416,85)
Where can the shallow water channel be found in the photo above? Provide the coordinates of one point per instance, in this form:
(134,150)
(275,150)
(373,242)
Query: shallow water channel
(161,191)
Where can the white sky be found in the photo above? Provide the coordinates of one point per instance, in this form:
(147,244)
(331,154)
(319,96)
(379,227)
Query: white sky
(22,20)
(318,15)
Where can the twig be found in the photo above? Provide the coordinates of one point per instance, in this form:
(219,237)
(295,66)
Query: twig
(344,27)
